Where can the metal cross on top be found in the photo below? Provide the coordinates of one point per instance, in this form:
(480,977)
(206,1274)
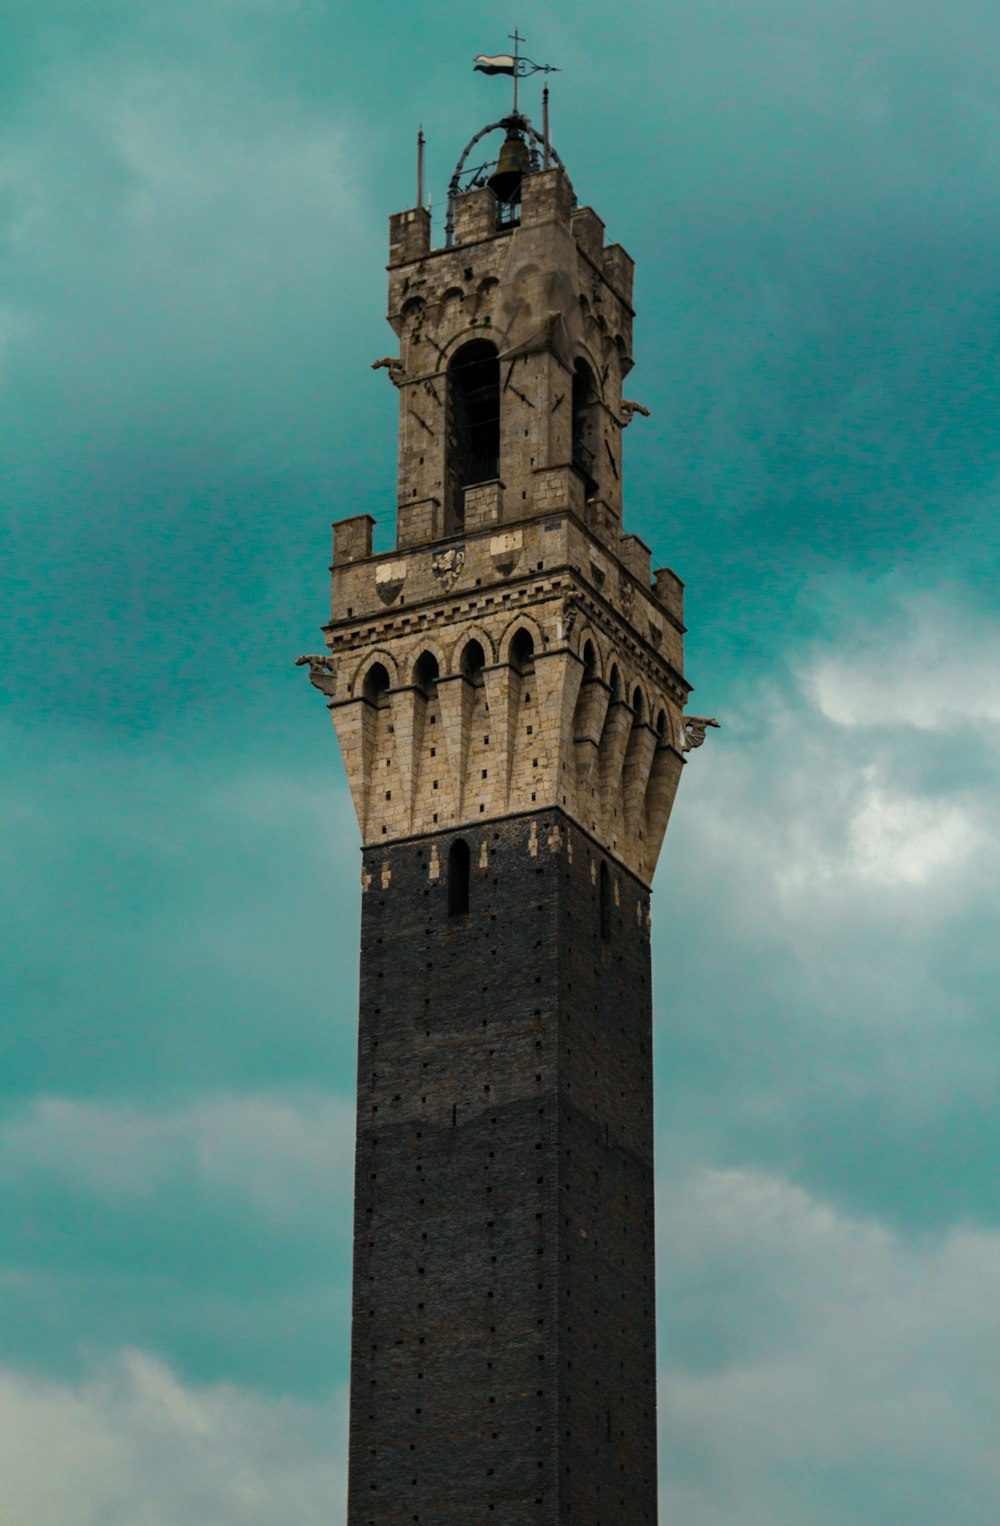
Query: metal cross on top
(517,40)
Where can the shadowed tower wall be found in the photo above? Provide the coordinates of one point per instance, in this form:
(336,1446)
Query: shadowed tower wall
(508,695)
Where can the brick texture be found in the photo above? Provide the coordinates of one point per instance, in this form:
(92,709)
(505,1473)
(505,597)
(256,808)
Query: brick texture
(503,1361)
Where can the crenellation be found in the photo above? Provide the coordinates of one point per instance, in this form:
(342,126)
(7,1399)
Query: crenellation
(352,539)
(669,591)
(409,235)
(619,269)
(475,216)
(637,558)
(588,230)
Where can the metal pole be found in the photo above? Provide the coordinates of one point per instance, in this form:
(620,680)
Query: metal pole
(449,221)
(420,167)
(545,128)
(517,39)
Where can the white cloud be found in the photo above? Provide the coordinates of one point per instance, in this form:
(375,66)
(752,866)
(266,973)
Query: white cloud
(837,882)
(838,1358)
(861,833)
(819,818)
(897,839)
(135,1446)
(937,672)
(282,1155)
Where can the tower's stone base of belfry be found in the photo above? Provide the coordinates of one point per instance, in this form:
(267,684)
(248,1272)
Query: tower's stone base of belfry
(503,1361)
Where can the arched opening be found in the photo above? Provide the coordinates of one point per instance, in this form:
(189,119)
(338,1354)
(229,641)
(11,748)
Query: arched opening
(422,745)
(458,878)
(522,653)
(425,673)
(588,723)
(604,889)
(473,663)
(473,425)
(376,685)
(586,403)
(611,752)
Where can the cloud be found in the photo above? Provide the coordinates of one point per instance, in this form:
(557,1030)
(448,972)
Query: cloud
(282,1156)
(820,1369)
(132,1445)
(903,840)
(824,961)
(184,225)
(937,670)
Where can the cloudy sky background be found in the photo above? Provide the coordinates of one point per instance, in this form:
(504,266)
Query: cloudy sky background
(193,204)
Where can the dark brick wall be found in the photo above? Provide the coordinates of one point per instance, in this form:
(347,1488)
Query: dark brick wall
(503,1358)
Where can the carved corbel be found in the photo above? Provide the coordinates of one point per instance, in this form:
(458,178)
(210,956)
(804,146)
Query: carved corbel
(567,621)
(394,366)
(695,727)
(322,672)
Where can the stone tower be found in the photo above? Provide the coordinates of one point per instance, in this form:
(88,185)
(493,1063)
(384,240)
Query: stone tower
(507,691)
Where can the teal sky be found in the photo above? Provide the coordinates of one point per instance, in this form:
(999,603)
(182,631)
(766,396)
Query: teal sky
(193,206)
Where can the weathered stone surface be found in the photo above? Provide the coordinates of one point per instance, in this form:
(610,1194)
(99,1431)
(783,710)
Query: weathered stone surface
(586,615)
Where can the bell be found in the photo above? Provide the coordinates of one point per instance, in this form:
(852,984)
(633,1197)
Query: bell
(513,164)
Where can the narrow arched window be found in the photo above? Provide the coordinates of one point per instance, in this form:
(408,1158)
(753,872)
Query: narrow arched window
(522,652)
(458,878)
(473,424)
(586,402)
(473,663)
(425,674)
(376,685)
(604,888)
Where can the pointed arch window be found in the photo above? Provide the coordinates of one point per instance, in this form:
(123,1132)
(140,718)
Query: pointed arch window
(473,663)
(522,653)
(376,685)
(586,425)
(473,423)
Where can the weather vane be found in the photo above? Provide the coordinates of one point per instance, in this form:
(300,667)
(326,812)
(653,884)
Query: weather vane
(511,63)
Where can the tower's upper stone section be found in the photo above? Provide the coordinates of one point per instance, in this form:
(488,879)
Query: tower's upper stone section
(512,654)
(552,303)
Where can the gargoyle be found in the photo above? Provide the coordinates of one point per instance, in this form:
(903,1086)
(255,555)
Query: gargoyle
(629,411)
(393,365)
(322,671)
(695,727)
